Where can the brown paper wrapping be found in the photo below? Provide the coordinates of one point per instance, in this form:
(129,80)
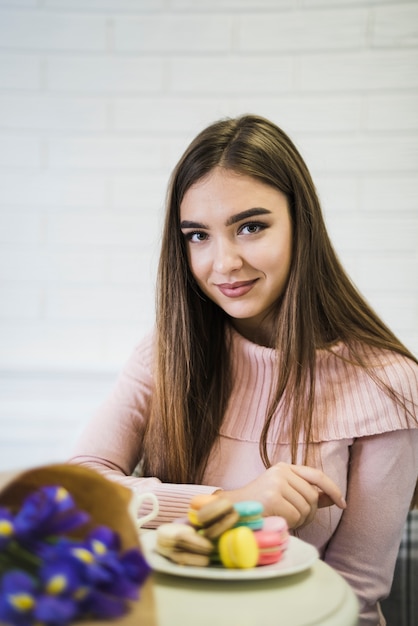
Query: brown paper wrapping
(105,501)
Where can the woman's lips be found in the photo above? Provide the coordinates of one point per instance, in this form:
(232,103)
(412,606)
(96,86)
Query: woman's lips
(238,289)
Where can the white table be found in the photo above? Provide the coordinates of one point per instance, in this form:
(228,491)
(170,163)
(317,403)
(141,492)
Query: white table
(318,596)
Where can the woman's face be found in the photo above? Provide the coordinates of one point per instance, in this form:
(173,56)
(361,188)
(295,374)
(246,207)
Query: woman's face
(238,236)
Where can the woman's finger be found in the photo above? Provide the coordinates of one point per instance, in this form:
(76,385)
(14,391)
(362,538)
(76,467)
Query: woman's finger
(298,496)
(323,482)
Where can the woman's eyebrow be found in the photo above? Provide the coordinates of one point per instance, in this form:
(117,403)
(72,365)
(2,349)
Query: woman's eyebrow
(188,224)
(238,217)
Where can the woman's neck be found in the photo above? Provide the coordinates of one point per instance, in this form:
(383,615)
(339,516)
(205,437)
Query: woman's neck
(261,334)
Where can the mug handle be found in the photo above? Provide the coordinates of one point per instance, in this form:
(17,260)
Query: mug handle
(138,499)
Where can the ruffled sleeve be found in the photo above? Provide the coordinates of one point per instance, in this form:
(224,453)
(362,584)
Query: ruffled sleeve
(352,402)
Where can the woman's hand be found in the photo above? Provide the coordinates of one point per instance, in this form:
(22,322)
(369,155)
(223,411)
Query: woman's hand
(293,491)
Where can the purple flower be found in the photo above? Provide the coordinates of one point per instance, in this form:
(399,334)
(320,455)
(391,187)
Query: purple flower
(55,548)
(62,579)
(135,571)
(7,529)
(23,602)
(100,558)
(55,610)
(112,577)
(101,604)
(135,566)
(18,597)
(48,511)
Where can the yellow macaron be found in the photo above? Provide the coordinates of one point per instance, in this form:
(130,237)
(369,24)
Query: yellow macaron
(238,548)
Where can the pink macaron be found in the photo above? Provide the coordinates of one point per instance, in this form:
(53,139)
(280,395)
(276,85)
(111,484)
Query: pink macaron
(277,524)
(272,540)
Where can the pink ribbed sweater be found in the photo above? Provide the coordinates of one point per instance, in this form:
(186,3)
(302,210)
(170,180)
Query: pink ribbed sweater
(362,440)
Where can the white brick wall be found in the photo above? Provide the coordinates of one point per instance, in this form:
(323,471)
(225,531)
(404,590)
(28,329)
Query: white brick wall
(98,98)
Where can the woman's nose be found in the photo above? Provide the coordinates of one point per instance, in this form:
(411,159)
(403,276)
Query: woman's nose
(227,257)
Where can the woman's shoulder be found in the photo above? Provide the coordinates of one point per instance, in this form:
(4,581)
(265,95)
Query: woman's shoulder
(145,347)
(360,361)
(140,363)
(376,396)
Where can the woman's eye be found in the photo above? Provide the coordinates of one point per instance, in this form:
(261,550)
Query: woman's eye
(196,236)
(252,229)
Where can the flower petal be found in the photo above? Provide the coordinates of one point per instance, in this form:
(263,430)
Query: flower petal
(104,605)
(135,565)
(55,611)
(61,577)
(17,598)
(48,511)
(106,536)
(7,529)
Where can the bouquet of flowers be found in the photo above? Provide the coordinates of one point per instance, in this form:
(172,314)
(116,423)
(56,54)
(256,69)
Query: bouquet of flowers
(60,561)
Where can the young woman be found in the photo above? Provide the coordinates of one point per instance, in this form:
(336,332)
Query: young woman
(267,376)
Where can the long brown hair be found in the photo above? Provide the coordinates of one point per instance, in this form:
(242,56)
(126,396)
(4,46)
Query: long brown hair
(320,306)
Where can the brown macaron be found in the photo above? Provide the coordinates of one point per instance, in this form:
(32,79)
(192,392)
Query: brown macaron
(183,545)
(216,517)
(196,503)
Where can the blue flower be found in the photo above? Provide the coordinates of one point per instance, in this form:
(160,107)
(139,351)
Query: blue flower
(55,611)
(101,604)
(135,566)
(48,511)
(23,602)
(62,579)
(112,577)
(135,570)
(18,596)
(99,555)
(7,529)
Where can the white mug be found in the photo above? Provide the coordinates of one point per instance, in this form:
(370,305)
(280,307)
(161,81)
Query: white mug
(137,501)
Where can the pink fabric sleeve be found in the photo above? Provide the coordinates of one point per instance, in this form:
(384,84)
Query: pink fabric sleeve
(382,475)
(111,442)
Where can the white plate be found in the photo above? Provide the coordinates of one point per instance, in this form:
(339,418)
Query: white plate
(298,557)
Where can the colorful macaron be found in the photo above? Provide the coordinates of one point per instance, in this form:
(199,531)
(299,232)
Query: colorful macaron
(183,545)
(238,548)
(217,531)
(197,503)
(269,549)
(272,540)
(250,514)
(277,524)
(215,517)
